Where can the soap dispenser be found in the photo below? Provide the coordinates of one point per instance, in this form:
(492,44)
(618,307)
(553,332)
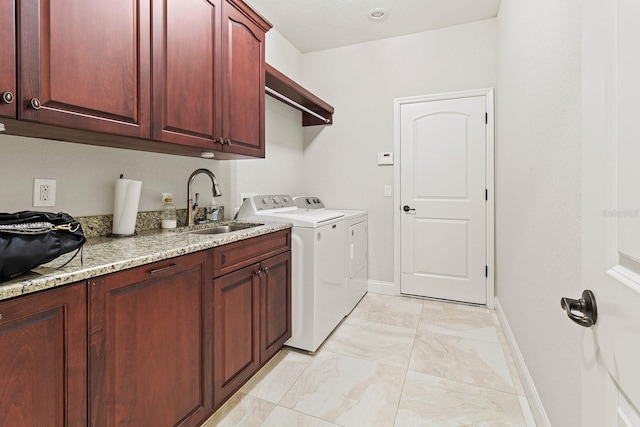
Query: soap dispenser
(169,219)
(212,212)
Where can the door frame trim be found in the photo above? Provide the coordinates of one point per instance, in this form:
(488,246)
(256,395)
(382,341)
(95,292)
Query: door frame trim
(488,93)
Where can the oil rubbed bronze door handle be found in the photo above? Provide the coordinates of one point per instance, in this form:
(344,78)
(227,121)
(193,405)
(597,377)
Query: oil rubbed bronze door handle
(164,269)
(35,103)
(406,208)
(586,306)
(7,97)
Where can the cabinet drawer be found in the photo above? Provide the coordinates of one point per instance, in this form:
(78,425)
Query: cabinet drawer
(162,268)
(233,256)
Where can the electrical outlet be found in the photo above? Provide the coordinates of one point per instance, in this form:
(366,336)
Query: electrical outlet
(44,192)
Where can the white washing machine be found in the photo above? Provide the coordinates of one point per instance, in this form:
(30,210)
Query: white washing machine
(357,265)
(318,285)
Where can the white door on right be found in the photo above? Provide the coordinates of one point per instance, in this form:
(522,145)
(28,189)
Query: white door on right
(611,212)
(443,234)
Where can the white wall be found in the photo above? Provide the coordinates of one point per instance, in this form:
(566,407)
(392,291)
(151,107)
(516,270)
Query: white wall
(283,55)
(361,82)
(538,193)
(283,168)
(85,173)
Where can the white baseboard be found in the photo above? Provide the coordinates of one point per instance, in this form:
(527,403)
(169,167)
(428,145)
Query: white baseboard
(535,403)
(385,288)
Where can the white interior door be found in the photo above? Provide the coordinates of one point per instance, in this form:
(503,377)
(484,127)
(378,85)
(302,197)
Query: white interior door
(443,184)
(611,211)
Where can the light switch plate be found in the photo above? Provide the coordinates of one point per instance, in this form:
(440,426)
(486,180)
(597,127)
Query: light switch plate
(385,158)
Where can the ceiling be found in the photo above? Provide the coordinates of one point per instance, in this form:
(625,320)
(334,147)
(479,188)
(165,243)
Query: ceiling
(312,25)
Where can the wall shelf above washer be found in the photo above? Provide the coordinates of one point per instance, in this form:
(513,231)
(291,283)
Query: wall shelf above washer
(314,110)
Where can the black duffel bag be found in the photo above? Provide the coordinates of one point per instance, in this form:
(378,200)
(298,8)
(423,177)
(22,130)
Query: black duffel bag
(30,238)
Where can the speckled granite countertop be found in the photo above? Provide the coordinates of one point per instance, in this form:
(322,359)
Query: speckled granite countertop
(103,255)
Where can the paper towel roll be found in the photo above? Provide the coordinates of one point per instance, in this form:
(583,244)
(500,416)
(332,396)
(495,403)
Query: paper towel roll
(125,205)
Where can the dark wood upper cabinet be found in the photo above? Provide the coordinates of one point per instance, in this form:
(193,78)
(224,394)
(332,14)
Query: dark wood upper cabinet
(174,76)
(150,344)
(186,83)
(208,75)
(43,357)
(243,51)
(86,65)
(7,59)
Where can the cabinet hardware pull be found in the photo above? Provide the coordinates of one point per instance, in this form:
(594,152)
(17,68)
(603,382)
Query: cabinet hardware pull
(258,273)
(228,141)
(164,269)
(266,270)
(35,103)
(7,97)
(220,141)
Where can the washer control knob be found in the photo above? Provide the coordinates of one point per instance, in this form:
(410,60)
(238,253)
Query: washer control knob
(265,200)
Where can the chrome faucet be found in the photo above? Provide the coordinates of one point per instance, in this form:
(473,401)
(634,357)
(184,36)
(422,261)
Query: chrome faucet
(191,206)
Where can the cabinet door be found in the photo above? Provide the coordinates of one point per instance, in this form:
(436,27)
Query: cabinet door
(275,304)
(242,83)
(86,65)
(7,58)
(186,57)
(236,351)
(43,359)
(150,347)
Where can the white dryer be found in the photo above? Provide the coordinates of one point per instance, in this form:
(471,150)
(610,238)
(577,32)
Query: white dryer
(357,264)
(318,285)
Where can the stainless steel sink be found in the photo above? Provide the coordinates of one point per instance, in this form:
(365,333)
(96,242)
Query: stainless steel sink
(219,229)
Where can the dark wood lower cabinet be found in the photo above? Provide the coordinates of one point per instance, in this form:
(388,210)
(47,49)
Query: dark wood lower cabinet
(167,343)
(275,305)
(252,308)
(43,359)
(236,330)
(150,343)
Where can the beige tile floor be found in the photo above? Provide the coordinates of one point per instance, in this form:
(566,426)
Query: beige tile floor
(395,361)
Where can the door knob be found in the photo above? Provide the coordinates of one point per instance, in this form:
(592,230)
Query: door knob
(586,306)
(406,208)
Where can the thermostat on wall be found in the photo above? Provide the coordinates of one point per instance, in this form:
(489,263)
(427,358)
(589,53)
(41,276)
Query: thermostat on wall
(385,158)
